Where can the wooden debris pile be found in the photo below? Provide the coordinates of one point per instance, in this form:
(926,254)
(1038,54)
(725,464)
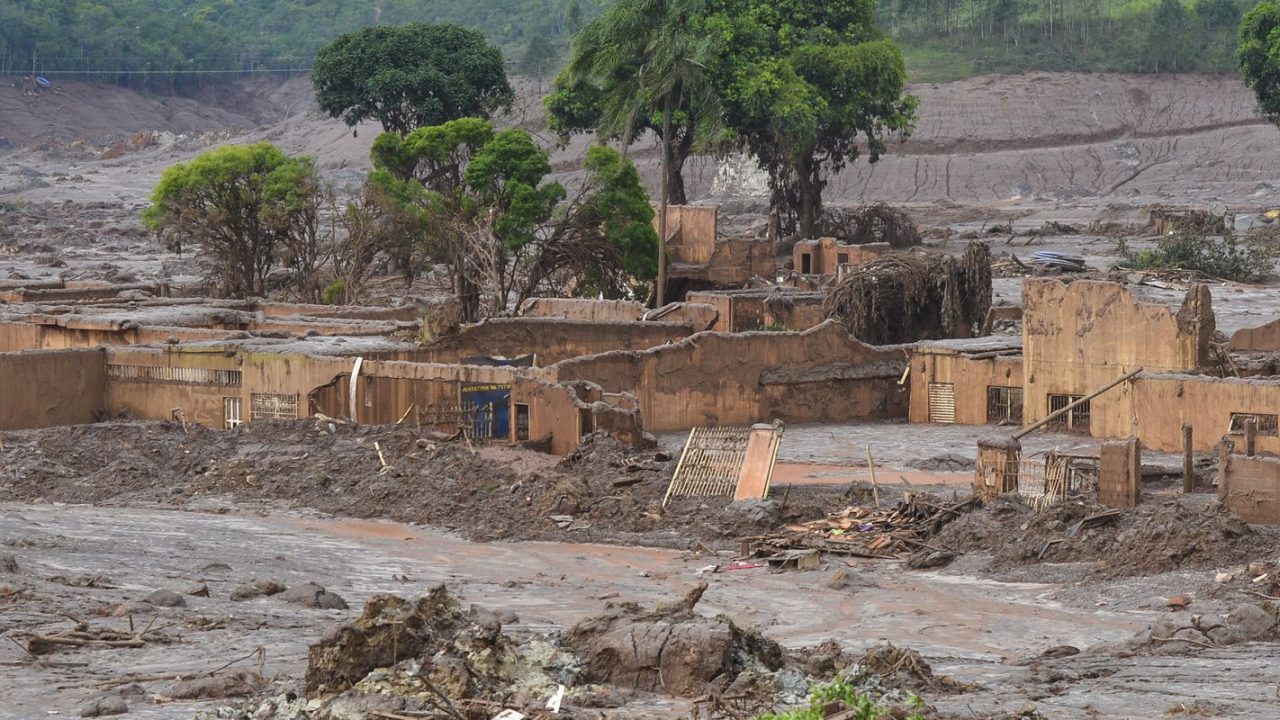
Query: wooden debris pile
(83,635)
(918,296)
(893,533)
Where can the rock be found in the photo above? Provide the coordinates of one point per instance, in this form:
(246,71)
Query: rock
(1251,622)
(233,684)
(165,598)
(672,650)
(103,706)
(930,559)
(200,590)
(216,567)
(313,596)
(1178,601)
(8,563)
(257,588)
(134,608)
(1224,577)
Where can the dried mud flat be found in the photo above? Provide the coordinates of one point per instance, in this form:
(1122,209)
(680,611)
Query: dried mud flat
(97,519)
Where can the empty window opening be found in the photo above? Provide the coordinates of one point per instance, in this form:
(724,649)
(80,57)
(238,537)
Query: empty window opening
(942,403)
(230,412)
(806,263)
(842,258)
(522,422)
(1004,405)
(1075,420)
(586,423)
(272,406)
(1263,424)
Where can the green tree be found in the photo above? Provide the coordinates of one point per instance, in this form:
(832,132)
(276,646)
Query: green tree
(641,59)
(1167,44)
(484,206)
(539,58)
(1259,56)
(410,76)
(805,86)
(240,205)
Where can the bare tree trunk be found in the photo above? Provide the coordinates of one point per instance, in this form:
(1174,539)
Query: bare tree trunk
(675,174)
(663,201)
(809,192)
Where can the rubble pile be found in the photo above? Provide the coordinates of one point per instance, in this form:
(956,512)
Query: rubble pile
(1184,533)
(861,531)
(431,658)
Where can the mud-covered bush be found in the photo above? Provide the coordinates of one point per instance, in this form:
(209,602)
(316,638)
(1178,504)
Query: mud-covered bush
(863,705)
(1219,257)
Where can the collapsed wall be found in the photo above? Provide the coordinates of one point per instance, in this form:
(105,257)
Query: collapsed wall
(819,375)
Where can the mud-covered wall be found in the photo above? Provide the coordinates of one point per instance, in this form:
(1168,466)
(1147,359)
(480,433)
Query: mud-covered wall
(969,377)
(746,310)
(1080,336)
(820,375)
(550,339)
(1251,487)
(1263,338)
(695,233)
(1155,407)
(583,309)
(826,255)
(48,388)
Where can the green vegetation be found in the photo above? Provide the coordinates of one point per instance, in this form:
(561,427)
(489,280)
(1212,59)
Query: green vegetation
(244,208)
(803,84)
(1223,258)
(164,36)
(410,76)
(479,201)
(949,39)
(941,39)
(863,706)
(1259,56)
(636,67)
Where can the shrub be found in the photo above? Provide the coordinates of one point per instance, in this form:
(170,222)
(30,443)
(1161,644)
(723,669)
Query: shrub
(864,706)
(1218,257)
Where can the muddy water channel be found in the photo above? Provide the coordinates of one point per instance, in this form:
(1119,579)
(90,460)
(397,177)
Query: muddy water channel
(85,562)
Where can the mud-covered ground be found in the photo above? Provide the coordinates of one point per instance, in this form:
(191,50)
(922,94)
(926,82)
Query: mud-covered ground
(97,518)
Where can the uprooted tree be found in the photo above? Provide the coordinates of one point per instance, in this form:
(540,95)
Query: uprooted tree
(410,76)
(919,296)
(245,208)
(478,201)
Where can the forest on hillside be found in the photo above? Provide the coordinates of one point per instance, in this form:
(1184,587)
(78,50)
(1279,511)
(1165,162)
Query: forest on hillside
(150,42)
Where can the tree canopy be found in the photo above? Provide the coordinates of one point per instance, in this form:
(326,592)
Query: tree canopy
(1259,56)
(243,207)
(805,87)
(486,209)
(410,76)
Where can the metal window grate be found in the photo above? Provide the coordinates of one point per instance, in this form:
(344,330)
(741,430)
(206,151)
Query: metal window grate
(1004,405)
(711,462)
(272,406)
(942,403)
(230,412)
(1264,424)
(181,375)
(1076,419)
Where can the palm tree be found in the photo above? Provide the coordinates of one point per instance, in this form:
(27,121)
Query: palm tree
(647,55)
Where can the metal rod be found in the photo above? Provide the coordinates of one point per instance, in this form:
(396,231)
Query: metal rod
(1071,406)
